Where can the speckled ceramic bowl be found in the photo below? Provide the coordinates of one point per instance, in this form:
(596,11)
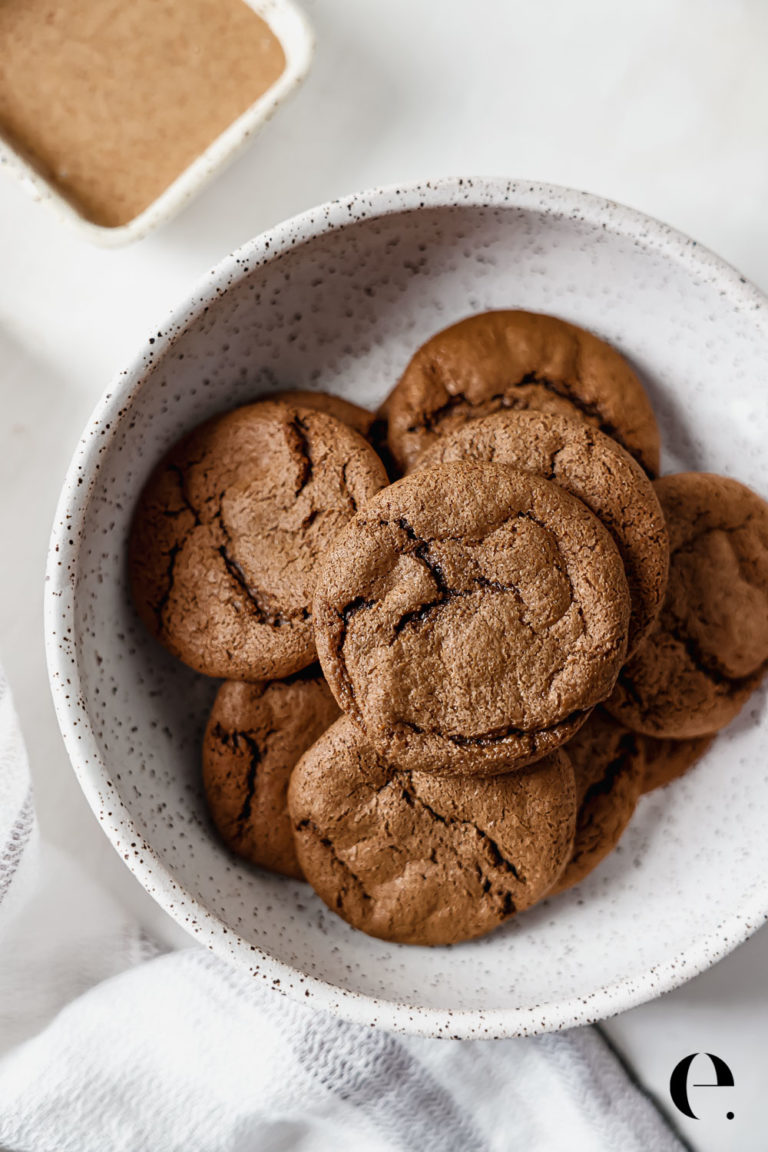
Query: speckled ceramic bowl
(338,299)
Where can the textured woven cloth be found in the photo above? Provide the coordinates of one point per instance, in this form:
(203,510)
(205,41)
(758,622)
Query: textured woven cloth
(107,1045)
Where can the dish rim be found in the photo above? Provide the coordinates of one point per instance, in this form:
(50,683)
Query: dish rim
(80,484)
(292,29)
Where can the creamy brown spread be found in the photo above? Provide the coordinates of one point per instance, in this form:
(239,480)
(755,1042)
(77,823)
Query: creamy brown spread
(111,101)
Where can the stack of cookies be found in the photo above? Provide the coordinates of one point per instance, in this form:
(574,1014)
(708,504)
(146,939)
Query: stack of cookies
(516,639)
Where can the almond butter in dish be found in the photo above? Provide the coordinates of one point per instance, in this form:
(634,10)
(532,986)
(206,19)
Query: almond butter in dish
(109,103)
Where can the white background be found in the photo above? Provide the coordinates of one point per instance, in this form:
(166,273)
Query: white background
(662,104)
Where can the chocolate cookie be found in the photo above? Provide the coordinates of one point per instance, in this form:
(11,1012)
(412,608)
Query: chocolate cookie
(255,735)
(228,531)
(409,857)
(591,466)
(609,768)
(469,616)
(518,360)
(709,646)
(666,760)
(361,419)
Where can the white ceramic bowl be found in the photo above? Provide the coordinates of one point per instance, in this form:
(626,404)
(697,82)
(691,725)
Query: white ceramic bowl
(289,24)
(339,298)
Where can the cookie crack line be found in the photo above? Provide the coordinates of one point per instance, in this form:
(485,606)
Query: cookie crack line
(359,604)
(298,446)
(497,857)
(420,549)
(430,420)
(254,759)
(188,505)
(493,736)
(346,487)
(225,735)
(508,905)
(326,842)
(235,571)
(446,593)
(276,619)
(422,613)
(162,603)
(175,548)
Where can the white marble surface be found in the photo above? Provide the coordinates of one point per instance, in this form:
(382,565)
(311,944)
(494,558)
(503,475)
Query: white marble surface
(660,104)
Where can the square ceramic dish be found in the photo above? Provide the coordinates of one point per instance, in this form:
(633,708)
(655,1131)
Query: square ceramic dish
(339,299)
(290,27)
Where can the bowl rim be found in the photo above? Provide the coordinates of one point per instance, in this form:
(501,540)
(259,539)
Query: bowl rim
(61,578)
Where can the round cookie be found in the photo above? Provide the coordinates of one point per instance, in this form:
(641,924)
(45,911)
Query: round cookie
(591,466)
(410,857)
(709,647)
(228,531)
(609,768)
(514,359)
(469,617)
(666,760)
(255,735)
(361,419)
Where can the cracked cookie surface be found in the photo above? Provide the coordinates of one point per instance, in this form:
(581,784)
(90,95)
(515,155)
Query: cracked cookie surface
(608,765)
(516,359)
(410,857)
(709,647)
(469,617)
(592,467)
(228,531)
(361,419)
(255,735)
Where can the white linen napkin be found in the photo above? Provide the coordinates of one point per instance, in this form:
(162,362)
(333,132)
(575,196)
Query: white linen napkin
(131,1051)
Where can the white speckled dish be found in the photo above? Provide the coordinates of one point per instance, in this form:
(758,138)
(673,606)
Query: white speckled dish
(289,24)
(338,299)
